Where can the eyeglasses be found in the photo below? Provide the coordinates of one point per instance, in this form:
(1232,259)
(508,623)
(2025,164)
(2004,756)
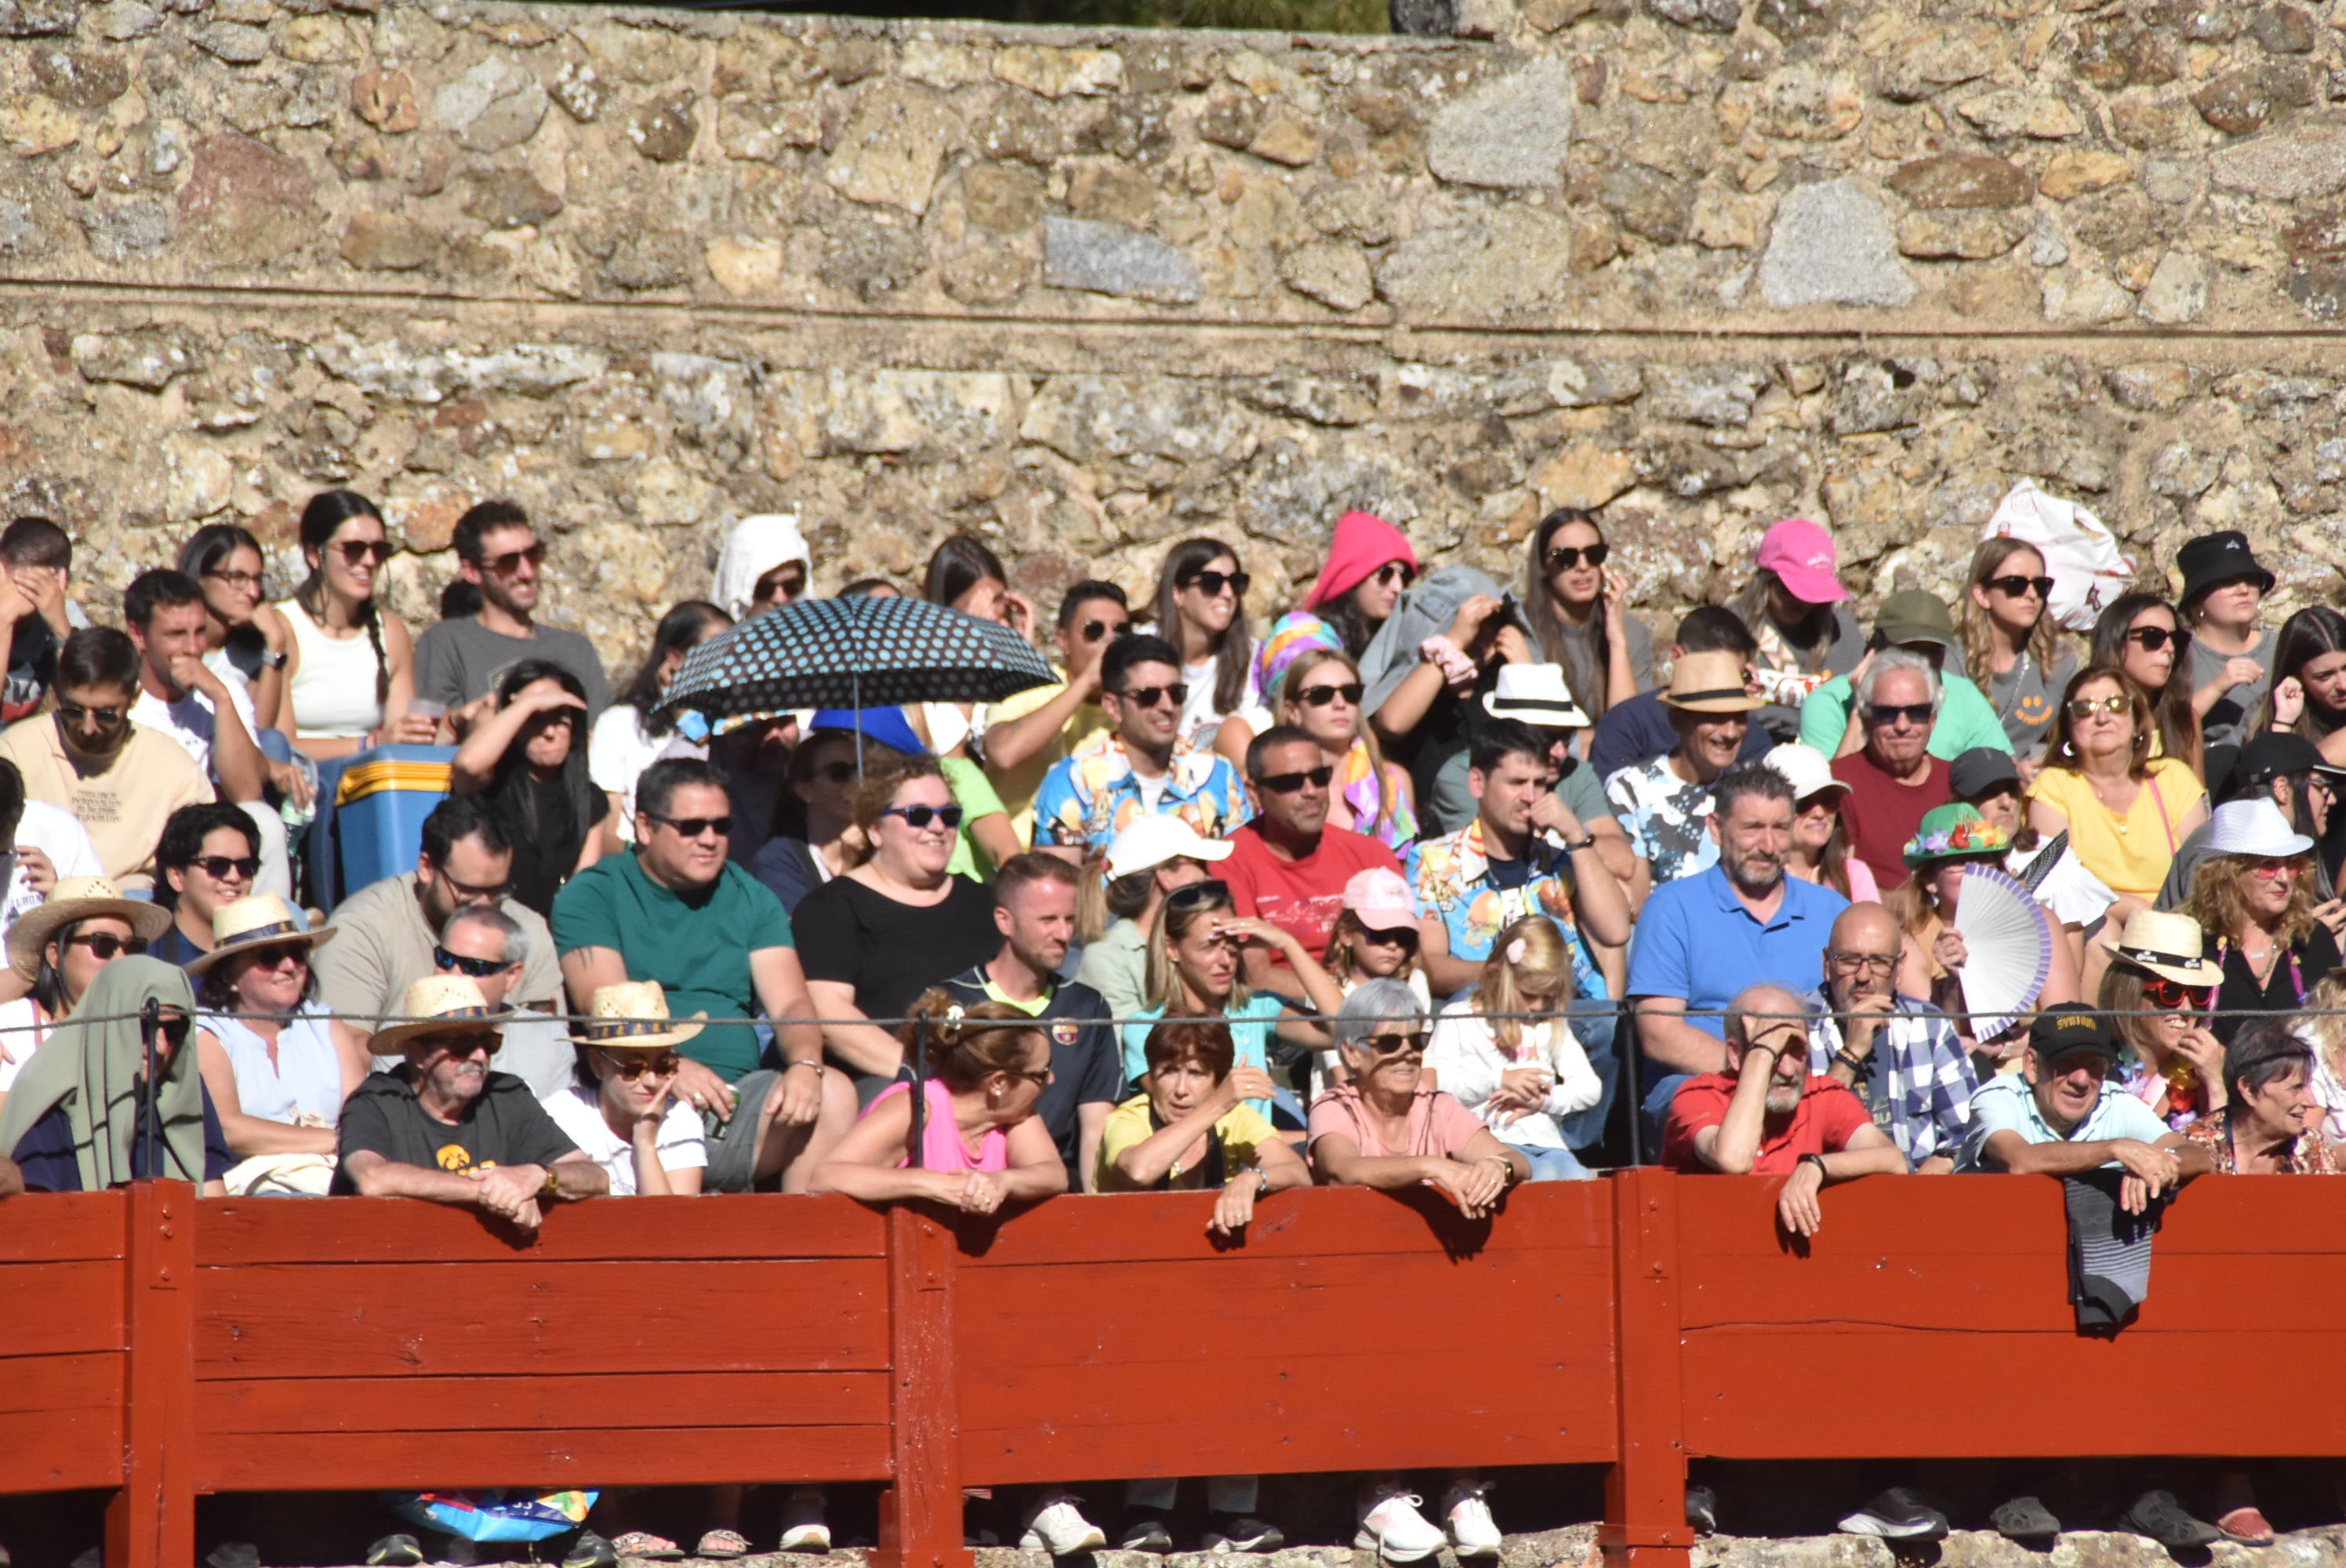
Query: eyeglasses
(1211,584)
(921,815)
(1565,558)
(512,559)
(2153,638)
(1384,575)
(1884,714)
(1150,696)
(2173,995)
(105,947)
(1393,1045)
(2086,707)
(632,1066)
(1288,783)
(478,968)
(2015,585)
(75,714)
(694,827)
(355,551)
(1321,696)
(1211,891)
(219,867)
(1095,630)
(1879,963)
(236,579)
(464,892)
(2273,870)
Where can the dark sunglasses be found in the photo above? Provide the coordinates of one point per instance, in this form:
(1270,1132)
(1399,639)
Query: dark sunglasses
(1211,584)
(463,1045)
(174,1029)
(2086,707)
(2153,638)
(1385,573)
(1095,630)
(512,559)
(1288,783)
(693,827)
(478,968)
(788,582)
(1886,714)
(1393,1045)
(357,550)
(632,1066)
(1212,892)
(218,867)
(1321,696)
(1564,557)
(1396,936)
(1150,696)
(2173,995)
(105,947)
(73,713)
(921,815)
(2014,585)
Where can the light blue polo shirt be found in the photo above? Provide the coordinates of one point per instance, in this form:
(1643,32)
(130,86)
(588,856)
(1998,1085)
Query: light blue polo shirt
(1697,941)
(2004,1105)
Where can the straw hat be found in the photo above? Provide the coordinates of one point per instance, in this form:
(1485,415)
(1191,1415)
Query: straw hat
(73,899)
(622,1015)
(257,920)
(2171,946)
(441,1005)
(1710,683)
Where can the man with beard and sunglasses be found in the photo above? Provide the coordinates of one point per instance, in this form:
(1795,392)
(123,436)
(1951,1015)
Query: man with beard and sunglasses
(1025,734)
(1143,766)
(85,756)
(457,662)
(1288,866)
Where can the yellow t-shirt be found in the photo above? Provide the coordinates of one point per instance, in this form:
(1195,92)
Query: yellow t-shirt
(2131,854)
(1240,1128)
(124,808)
(1017,785)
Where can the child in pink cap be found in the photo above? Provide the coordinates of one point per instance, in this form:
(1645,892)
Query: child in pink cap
(1789,606)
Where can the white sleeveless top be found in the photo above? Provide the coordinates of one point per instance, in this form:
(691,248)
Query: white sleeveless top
(333,690)
(308,1073)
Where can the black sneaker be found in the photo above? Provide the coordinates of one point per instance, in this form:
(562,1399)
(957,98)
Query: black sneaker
(1144,1531)
(1241,1533)
(398,1549)
(1898,1514)
(1702,1509)
(2025,1520)
(233,1554)
(590,1550)
(2157,1515)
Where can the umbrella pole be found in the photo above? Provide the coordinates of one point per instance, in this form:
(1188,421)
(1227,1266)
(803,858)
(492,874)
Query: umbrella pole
(917,1056)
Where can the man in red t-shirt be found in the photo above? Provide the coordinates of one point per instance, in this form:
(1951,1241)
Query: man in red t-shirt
(1288,866)
(1767,1115)
(1893,780)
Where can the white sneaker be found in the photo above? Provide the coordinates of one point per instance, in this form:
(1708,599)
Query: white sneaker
(1058,1527)
(1473,1532)
(804,1529)
(1392,1527)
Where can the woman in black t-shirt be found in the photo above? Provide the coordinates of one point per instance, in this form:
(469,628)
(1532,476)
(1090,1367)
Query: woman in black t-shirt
(2254,898)
(876,937)
(529,757)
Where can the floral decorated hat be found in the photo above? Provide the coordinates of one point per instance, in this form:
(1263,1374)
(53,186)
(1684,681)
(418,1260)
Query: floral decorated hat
(1952,833)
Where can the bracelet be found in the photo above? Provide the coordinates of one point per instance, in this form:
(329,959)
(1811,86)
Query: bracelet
(1587,842)
(1847,1061)
(1507,1167)
(804,1061)
(553,1188)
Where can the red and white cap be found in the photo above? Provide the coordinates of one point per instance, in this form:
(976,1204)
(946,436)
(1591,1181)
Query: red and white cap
(1802,554)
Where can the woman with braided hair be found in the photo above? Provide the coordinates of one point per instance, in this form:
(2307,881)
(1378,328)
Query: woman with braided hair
(349,674)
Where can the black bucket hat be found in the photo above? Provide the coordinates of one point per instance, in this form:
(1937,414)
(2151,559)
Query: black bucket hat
(2214,559)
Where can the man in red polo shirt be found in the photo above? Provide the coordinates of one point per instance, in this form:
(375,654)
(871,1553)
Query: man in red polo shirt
(1893,780)
(1288,866)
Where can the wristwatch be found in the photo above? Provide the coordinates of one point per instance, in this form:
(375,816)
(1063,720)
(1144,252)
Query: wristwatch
(274,660)
(1587,842)
(1818,1161)
(553,1188)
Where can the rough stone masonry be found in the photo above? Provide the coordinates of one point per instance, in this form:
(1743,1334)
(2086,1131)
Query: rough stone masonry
(1703,262)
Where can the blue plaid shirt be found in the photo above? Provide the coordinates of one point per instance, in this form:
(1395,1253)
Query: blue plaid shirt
(1919,1082)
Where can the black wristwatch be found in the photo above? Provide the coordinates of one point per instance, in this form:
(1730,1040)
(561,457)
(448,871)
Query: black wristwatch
(1818,1161)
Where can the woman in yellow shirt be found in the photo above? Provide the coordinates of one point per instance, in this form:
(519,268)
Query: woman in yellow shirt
(2124,809)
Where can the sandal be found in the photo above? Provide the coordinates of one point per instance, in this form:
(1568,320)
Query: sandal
(723,1546)
(644,1544)
(2246,1526)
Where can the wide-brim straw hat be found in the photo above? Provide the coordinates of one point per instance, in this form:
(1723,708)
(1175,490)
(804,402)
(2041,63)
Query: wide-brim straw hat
(632,1015)
(2169,946)
(73,899)
(257,920)
(441,1004)
(1710,683)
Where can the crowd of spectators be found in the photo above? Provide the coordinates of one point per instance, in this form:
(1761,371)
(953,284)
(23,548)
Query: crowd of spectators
(1433,885)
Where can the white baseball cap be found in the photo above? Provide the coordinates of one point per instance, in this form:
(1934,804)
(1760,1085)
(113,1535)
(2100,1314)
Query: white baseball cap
(1149,842)
(1805,768)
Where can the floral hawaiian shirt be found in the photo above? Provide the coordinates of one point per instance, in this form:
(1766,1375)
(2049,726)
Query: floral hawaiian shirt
(1092,793)
(1452,879)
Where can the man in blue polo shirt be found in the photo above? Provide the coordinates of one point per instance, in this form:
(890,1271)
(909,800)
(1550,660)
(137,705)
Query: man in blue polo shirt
(1741,923)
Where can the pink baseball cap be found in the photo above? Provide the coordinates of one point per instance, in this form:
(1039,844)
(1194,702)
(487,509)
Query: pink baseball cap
(1802,554)
(1381,899)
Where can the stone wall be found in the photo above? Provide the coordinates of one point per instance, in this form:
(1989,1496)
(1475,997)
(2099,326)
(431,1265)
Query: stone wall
(1709,262)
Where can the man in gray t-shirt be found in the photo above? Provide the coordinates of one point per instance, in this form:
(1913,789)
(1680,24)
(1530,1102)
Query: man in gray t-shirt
(459,660)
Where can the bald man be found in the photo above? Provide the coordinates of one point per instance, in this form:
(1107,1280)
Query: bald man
(1767,1115)
(1900,1055)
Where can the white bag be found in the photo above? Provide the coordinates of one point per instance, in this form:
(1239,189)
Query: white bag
(2081,556)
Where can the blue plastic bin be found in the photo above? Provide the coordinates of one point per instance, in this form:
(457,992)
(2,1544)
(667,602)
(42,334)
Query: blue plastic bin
(370,811)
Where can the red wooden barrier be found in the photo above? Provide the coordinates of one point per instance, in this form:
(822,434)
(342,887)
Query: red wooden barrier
(62,1341)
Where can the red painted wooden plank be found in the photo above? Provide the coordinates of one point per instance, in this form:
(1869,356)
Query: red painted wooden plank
(397,1230)
(60,1227)
(151,1521)
(921,1509)
(61,1308)
(685,1456)
(1644,1492)
(296,1320)
(615,1400)
(60,1421)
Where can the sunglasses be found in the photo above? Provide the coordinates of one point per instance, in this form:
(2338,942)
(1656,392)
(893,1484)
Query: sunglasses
(272,957)
(2153,638)
(105,947)
(1886,714)
(1393,1045)
(1150,696)
(75,714)
(1212,892)
(1877,962)
(694,827)
(2086,707)
(632,1066)
(2174,994)
(1321,696)
(512,559)
(174,1030)
(1397,936)
(236,579)
(219,867)
(2273,870)
(466,1044)
(354,551)
(1565,558)
(921,815)
(1288,783)
(1211,584)
(786,583)
(2015,585)
(1095,630)
(1384,575)
(478,968)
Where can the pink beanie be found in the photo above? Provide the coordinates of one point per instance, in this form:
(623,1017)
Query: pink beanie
(1362,545)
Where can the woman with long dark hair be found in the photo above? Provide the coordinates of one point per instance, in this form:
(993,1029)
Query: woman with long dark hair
(627,739)
(1201,611)
(1369,564)
(2012,647)
(2309,690)
(2141,634)
(240,631)
(350,673)
(1577,610)
(525,756)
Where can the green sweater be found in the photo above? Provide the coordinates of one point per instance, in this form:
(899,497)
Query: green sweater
(1967,719)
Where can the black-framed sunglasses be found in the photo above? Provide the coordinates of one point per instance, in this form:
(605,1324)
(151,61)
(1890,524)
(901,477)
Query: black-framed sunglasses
(1213,891)
(1093,631)
(1351,691)
(354,551)
(478,968)
(502,565)
(694,827)
(1384,575)
(1565,558)
(1886,714)
(1393,1045)
(75,714)
(1150,696)
(2014,585)
(2153,638)
(1211,584)
(105,947)
(921,815)
(173,1028)
(218,867)
(783,583)
(1288,783)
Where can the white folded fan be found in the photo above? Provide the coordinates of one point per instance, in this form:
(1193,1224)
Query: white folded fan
(2007,947)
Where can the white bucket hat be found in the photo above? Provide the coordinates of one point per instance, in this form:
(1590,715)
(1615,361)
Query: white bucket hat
(2254,827)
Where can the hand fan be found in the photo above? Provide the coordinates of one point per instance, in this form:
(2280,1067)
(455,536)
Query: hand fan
(2008,949)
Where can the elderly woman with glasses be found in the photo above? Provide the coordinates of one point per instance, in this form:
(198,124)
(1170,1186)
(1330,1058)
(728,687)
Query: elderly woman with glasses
(2126,811)
(2254,896)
